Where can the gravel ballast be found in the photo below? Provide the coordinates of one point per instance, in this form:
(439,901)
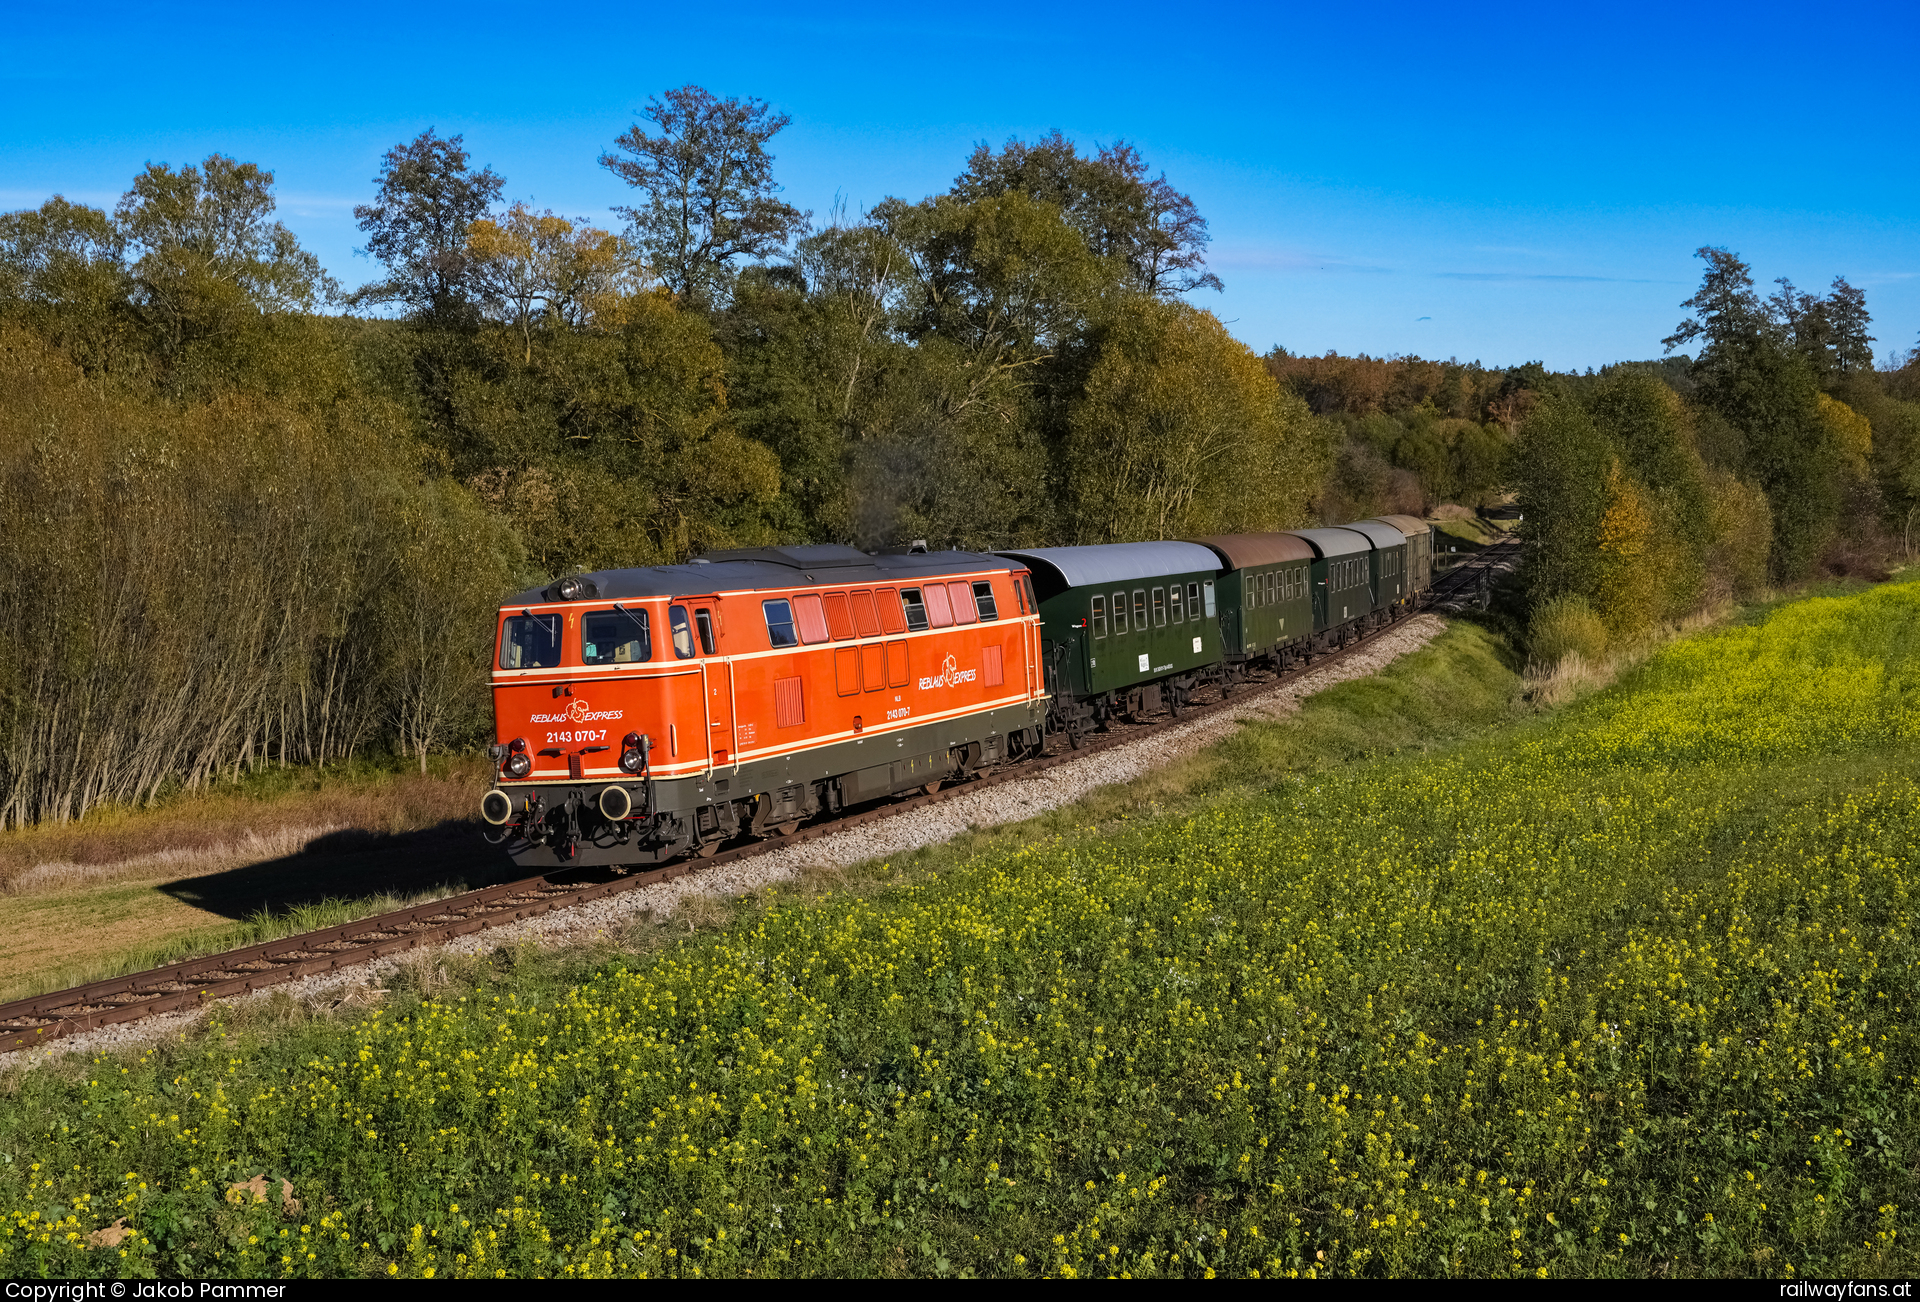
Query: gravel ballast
(1009,802)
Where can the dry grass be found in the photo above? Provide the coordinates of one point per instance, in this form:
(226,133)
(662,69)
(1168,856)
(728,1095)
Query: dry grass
(277,853)
(263,818)
(1547,687)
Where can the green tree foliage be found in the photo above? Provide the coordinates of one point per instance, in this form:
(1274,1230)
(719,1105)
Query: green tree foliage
(709,194)
(208,258)
(1153,236)
(1561,468)
(213,584)
(1179,430)
(418,225)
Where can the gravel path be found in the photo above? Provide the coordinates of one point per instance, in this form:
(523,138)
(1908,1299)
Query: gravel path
(1009,802)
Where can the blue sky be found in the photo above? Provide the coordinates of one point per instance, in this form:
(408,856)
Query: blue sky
(1492,182)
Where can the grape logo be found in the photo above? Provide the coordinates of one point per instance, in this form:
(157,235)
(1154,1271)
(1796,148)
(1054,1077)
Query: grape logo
(950,675)
(578,712)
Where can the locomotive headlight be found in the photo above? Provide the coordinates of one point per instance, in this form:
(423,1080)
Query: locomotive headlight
(633,752)
(571,588)
(518,766)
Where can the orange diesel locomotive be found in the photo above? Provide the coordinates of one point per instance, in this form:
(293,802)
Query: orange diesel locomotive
(647,713)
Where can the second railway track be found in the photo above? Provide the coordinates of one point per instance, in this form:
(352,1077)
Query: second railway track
(196,983)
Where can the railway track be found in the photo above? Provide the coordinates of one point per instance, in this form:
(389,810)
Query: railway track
(178,987)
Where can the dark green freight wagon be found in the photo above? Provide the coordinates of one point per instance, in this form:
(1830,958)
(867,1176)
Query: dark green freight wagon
(1126,628)
(1266,603)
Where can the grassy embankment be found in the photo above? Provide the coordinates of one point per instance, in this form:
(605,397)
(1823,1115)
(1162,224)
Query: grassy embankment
(1619,991)
(275,852)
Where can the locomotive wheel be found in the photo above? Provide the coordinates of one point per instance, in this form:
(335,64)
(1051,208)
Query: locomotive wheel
(788,829)
(707,850)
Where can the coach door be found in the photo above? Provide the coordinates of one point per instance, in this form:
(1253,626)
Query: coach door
(718,680)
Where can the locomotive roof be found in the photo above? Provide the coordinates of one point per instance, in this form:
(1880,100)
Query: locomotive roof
(1119,562)
(1383,534)
(1409,525)
(1343,541)
(1241,550)
(826,565)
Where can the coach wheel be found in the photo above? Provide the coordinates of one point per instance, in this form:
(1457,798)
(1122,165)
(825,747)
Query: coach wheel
(931,787)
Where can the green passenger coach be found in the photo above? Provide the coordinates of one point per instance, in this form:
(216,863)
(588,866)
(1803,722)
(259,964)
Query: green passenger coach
(1126,628)
(1419,536)
(1388,572)
(1266,606)
(1342,579)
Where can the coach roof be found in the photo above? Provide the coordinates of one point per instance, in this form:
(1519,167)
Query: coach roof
(768,567)
(1335,542)
(1242,550)
(1115,562)
(1383,535)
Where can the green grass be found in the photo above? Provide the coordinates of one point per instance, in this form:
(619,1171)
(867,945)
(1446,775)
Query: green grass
(1415,984)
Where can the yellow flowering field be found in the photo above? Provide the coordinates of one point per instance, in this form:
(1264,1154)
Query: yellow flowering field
(1622,992)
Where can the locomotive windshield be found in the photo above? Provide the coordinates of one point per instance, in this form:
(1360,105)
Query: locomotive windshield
(615,637)
(530,641)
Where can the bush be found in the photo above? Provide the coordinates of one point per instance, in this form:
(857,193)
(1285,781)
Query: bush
(1565,626)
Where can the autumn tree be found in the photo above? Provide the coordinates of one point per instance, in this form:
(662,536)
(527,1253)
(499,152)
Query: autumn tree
(571,272)
(709,198)
(417,225)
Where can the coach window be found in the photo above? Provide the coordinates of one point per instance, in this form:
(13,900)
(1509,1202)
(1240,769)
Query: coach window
(1159,607)
(1173,596)
(680,631)
(983,601)
(1140,609)
(780,622)
(1099,615)
(916,609)
(530,641)
(1119,613)
(615,637)
(703,624)
(1193,599)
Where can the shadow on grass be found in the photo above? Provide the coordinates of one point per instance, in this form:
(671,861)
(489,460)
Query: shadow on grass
(352,864)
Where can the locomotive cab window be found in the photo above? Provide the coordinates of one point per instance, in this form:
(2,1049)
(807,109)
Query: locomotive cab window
(1099,616)
(983,601)
(703,624)
(530,641)
(780,622)
(680,631)
(916,609)
(615,637)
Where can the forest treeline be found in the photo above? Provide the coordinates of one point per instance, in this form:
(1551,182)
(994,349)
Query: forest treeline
(257,519)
